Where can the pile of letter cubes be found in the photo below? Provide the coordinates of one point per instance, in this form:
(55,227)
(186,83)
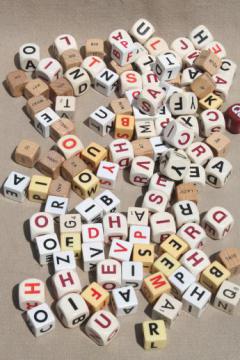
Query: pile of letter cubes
(169,138)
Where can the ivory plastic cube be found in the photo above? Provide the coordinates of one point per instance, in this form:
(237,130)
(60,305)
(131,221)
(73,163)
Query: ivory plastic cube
(65,106)
(124,126)
(96,297)
(162,226)
(72,310)
(199,153)
(185,211)
(218,171)
(40,319)
(79,79)
(193,234)
(120,250)
(154,286)
(102,327)
(65,282)
(115,227)
(93,65)
(101,120)
(106,82)
(182,46)
(46,246)
(178,135)
(180,280)
(70,145)
(217,222)
(64,260)
(107,173)
(15,186)
(167,308)
(213,276)
(174,246)
(90,211)
(124,301)
(49,69)
(166,264)
(137,216)
(183,103)
(174,164)
(92,233)
(108,202)
(38,188)
(195,299)
(109,274)
(132,274)
(196,261)
(41,223)
(92,253)
(155,201)
(31,293)
(142,30)
(43,121)
(227,297)
(211,101)
(121,152)
(200,37)
(145,254)
(162,183)
(141,170)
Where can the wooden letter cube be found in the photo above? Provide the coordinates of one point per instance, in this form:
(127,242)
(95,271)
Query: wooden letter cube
(16,82)
(36,87)
(219,143)
(203,85)
(208,61)
(59,187)
(121,106)
(230,258)
(187,191)
(70,223)
(50,164)
(61,127)
(60,87)
(36,104)
(94,47)
(70,59)
(124,126)
(72,167)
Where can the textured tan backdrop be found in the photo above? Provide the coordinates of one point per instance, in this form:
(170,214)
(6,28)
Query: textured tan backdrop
(215,335)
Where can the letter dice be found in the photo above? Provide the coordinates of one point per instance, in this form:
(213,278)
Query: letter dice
(72,310)
(41,223)
(15,186)
(31,293)
(162,225)
(150,100)
(227,297)
(132,274)
(124,301)
(101,120)
(109,274)
(102,327)
(178,135)
(29,56)
(167,308)
(196,299)
(185,211)
(218,171)
(195,261)
(174,164)
(107,173)
(185,103)
(141,170)
(65,282)
(167,66)
(217,222)
(121,152)
(40,319)
(211,120)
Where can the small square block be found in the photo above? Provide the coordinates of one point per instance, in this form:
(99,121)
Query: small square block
(60,87)
(93,154)
(70,58)
(62,127)
(124,126)
(94,47)
(36,104)
(85,184)
(71,242)
(16,82)
(70,223)
(35,88)
(145,254)
(59,187)
(72,167)
(121,106)
(174,246)
(154,286)
(154,334)
(230,258)
(166,264)
(96,297)
(27,153)
(50,164)
(213,276)
(38,188)
(219,143)
(187,191)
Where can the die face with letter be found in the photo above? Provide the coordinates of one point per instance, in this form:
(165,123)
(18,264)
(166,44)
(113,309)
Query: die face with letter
(40,319)
(72,310)
(124,301)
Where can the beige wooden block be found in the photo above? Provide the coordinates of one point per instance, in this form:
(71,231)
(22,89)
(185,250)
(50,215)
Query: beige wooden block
(124,127)
(174,246)
(166,264)
(72,167)
(121,106)
(36,87)
(50,164)
(93,154)
(144,253)
(154,286)
(85,184)
(71,242)
(59,187)
(208,61)
(62,127)
(219,143)
(211,101)
(213,276)
(186,191)
(38,188)
(203,85)
(176,81)
(60,87)
(230,258)
(27,153)
(94,47)
(142,147)
(70,58)
(37,104)
(154,334)
(16,82)
(96,297)
(119,69)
